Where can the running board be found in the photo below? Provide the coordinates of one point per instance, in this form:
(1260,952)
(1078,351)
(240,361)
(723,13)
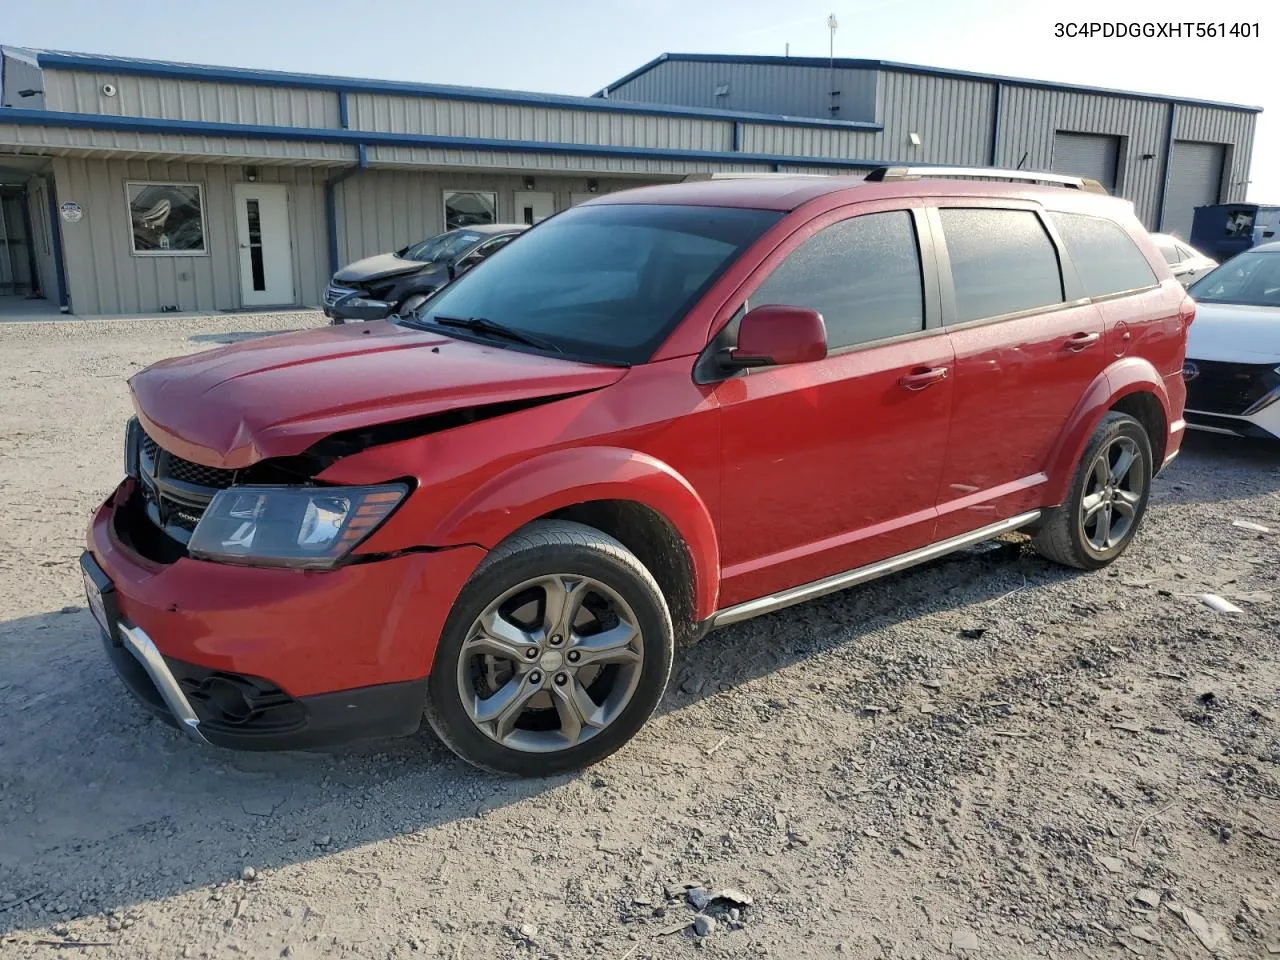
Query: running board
(820,588)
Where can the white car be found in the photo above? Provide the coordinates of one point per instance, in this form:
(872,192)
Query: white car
(1233,347)
(1187,263)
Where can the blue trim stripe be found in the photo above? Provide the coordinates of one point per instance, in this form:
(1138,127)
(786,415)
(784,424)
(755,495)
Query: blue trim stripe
(273,78)
(365,138)
(911,68)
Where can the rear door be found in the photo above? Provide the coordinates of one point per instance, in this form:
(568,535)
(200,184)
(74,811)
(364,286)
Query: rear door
(1026,351)
(830,465)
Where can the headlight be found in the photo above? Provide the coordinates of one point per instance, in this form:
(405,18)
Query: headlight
(304,527)
(132,447)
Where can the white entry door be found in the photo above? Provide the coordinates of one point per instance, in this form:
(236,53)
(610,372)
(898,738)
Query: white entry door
(533,205)
(266,251)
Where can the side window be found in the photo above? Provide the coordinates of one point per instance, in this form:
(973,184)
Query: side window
(1169,251)
(1184,253)
(1002,261)
(1107,259)
(863,275)
(489,249)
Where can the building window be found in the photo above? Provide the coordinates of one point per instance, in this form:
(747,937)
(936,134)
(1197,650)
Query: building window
(167,219)
(466,208)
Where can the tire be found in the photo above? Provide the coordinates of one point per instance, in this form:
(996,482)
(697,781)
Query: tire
(1069,537)
(623,653)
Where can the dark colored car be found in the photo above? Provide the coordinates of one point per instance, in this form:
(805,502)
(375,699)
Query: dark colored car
(683,406)
(395,284)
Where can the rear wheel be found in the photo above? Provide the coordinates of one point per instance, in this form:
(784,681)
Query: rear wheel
(1108,497)
(556,652)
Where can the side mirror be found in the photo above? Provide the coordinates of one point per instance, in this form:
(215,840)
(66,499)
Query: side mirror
(355,307)
(773,336)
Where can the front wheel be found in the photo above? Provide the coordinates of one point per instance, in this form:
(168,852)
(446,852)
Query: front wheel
(556,652)
(1107,500)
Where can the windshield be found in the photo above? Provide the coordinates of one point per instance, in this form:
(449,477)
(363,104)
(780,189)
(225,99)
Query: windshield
(446,246)
(604,283)
(1251,278)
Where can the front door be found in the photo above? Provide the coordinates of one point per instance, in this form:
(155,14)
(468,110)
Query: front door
(266,251)
(831,465)
(533,206)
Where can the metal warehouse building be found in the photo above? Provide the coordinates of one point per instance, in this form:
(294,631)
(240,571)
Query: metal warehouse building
(139,186)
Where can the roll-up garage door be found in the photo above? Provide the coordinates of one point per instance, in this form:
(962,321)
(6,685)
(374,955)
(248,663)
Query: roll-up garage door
(1087,155)
(1195,179)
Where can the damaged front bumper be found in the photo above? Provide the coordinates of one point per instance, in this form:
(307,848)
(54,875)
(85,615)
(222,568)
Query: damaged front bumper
(266,659)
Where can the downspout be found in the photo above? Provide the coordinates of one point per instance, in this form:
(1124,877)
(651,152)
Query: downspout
(330,194)
(331,205)
(1168,163)
(55,231)
(997,101)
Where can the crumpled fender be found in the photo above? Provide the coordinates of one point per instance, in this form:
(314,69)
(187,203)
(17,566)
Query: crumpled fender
(1125,376)
(562,478)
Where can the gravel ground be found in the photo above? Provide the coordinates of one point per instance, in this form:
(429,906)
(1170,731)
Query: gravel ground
(988,757)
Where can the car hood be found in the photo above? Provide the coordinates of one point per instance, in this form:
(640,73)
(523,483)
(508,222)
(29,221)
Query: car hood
(277,396)
(1235,333)
(379,268)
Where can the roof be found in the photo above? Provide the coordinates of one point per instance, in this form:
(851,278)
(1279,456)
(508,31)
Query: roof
(99,63)
(785,193)
(848,64)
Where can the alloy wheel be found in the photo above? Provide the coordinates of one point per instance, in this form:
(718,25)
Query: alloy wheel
(1113,489)
(550,663)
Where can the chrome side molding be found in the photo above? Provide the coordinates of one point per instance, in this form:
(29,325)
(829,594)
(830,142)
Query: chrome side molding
(145,652)
(872,571)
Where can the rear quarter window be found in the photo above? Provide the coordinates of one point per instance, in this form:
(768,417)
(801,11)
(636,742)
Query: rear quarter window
(1002,261)
(1105,256)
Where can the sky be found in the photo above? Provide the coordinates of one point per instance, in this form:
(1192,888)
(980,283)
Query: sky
(577,47)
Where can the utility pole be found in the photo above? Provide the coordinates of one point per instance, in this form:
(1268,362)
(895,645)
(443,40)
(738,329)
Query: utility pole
(834,106)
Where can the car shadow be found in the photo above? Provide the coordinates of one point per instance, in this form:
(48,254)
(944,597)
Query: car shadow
(86,774)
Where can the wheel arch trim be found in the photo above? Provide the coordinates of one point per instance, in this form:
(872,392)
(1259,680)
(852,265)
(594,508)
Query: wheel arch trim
(565,478)
(1124,377)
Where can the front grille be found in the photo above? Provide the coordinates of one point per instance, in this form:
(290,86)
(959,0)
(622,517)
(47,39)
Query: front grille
(335,292)
(1233,389)
(176,491)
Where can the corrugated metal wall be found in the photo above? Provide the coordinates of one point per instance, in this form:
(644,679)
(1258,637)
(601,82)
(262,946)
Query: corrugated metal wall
(19,73)
(76,91)
(54,140)
(952,118)
(465,118)
(798,91)
(1031,117)
(104,276)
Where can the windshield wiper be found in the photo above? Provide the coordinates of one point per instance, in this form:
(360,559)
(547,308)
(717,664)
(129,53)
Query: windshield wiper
(493,329)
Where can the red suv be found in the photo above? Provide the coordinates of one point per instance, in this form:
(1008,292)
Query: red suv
(665,410)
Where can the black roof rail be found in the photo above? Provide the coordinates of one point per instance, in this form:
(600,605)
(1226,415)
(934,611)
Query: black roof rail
(884,174)
(751,175)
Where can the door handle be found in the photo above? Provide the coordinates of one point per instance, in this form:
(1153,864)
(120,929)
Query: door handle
(1078,341)
(921,377)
